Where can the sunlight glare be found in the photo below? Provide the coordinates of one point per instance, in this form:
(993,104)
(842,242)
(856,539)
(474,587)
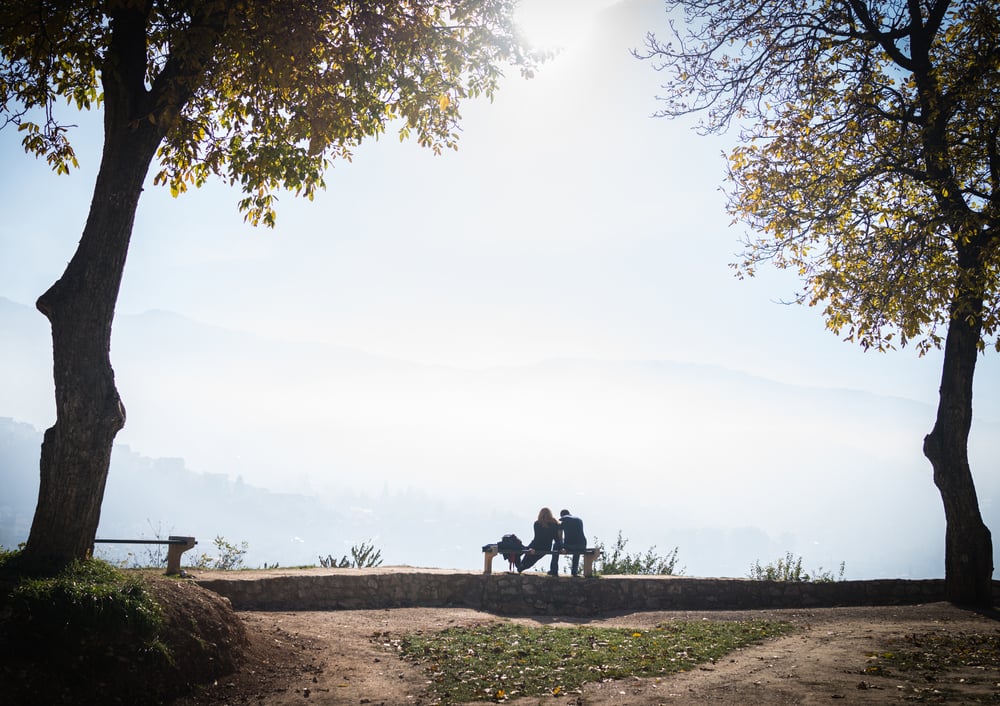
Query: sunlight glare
(557,24)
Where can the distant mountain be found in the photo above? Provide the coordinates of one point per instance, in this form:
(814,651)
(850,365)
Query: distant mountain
(153,498)
(665,451)
(19,451)
(25,364)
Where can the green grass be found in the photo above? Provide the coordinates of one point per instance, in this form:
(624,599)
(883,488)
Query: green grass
(497,661)
(943,667)
(90,595)
(937,652)
(87,606)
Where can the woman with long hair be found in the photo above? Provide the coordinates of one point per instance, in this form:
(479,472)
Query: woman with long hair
(546,539)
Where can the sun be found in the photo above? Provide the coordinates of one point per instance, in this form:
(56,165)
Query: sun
(557,24)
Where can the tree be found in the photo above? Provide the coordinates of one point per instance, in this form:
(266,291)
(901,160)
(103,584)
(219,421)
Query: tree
(868,162)
(261,93)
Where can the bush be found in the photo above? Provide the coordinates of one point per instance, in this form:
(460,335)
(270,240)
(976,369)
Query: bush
(9,555)
(230,556)
(789,568)
(618,561)
(364,556)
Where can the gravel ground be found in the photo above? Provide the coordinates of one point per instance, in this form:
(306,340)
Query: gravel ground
(345,657)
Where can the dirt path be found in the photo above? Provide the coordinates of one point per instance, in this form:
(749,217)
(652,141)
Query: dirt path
(345,657)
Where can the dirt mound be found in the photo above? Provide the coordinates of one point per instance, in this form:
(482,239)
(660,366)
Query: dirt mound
(202,639)
(204,636)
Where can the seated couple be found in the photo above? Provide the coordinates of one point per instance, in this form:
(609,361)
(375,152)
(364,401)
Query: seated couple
(552,535)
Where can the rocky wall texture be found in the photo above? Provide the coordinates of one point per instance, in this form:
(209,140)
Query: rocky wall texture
(537,594)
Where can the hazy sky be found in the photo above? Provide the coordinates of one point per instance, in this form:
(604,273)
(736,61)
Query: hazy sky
(569,224)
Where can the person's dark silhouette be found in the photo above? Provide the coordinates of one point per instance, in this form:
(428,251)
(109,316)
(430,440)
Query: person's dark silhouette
(546,536)
(574,541)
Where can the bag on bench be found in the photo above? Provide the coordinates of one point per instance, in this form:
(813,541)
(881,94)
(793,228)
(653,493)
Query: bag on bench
(510,547)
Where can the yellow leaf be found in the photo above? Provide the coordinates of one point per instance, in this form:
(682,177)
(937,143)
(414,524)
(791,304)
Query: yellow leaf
(444,101)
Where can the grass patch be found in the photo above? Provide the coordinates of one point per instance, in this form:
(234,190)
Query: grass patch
(93,634)
(497,661)
(69,637)
(88,600)
(959,667)
(937,652)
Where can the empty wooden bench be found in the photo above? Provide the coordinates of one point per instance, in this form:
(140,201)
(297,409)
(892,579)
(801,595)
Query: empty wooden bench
(176,547)
(590,554)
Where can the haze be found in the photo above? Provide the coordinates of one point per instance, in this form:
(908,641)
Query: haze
(545,317)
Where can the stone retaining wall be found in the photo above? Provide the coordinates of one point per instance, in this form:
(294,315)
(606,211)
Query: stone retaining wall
(537,594)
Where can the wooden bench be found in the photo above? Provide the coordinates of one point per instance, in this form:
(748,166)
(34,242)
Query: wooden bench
(590,554)
(177,546)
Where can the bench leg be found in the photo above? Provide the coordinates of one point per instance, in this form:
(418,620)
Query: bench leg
(488,560)
(588,563)
(174,552)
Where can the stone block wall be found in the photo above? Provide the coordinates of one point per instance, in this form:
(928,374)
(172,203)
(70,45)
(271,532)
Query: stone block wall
(537,594)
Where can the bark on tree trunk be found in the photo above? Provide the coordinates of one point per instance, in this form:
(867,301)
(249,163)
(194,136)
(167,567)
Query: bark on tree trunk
(76,451)
(80,306)
(968,543)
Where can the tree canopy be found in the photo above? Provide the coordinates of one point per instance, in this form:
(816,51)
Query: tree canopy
(261,94)
(869,160)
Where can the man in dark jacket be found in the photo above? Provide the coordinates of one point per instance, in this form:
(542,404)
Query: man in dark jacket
(573,539)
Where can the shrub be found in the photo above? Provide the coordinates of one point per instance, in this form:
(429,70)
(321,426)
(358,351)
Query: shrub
(9,555)
(789,568)
(230,556)
(618,561)
(364,556)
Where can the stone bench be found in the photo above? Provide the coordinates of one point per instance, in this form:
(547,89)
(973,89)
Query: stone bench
(590,554)
(176,547)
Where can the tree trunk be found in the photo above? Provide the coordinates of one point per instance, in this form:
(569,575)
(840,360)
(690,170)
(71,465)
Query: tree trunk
(80,306)
(968,544)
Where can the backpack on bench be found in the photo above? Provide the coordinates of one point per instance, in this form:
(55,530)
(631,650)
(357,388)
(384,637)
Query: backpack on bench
(510,547)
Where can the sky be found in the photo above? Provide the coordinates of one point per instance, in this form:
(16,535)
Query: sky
(569,225)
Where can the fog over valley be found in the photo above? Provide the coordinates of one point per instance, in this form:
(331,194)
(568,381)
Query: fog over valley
(437,346)
(306,450)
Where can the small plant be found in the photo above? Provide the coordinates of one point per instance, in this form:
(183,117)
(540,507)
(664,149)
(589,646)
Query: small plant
(229,558)
(151,556)
(789,568)
(363,556)
(9,554)
(330,563)
(619,561)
